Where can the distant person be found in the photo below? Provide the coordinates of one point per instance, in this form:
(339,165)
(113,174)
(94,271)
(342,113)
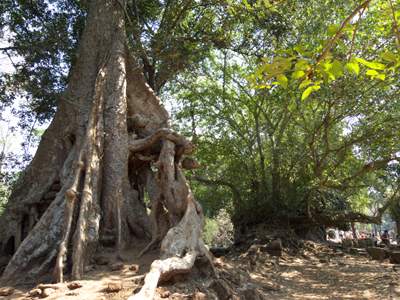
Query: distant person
(374,239)
(385,238)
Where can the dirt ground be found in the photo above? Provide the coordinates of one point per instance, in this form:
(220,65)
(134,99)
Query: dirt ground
(322,274)
(317,272)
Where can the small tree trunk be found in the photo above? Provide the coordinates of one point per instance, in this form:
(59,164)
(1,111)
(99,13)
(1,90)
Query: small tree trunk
(353,229)
(397,228)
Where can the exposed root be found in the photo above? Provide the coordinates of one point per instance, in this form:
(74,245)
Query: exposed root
(158,215)
(154,241)
(70,199)
(180,248)
(87,228)
(163,269)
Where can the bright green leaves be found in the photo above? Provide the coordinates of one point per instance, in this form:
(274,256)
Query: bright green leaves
(329,70)
(265,72)
(375,74)
(282,80)
(300,71)
(389,57)
(264,4)
(353,67)
(371,65)
(379,70)
(337,68)
(302,65)
(298,74)
(246,4)
(305,83)
(332,29)
(371,73)
(307,92)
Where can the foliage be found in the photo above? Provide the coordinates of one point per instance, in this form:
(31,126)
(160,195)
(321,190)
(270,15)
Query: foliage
(209,231)
(282,150)
(4,194)
(332,57)
(218,232)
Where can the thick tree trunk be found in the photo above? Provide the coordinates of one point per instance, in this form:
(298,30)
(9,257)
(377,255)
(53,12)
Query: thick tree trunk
(93,164)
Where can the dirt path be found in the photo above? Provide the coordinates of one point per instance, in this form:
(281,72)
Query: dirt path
(319,273)
(342,278)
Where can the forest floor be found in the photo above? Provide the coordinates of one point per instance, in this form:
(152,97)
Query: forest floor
(316,272)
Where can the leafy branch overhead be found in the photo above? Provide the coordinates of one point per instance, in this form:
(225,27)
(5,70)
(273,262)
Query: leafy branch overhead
(306,67)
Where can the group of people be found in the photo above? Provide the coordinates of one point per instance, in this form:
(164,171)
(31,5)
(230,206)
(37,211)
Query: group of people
(385,237)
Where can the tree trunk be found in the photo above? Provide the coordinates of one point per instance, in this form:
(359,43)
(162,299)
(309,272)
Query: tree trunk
(87,179)
(397,229)
(275,175)
(353,230)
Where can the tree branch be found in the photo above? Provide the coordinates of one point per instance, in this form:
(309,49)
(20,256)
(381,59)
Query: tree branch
(136,145)
(218,182)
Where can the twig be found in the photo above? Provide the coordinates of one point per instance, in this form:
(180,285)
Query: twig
(395,24)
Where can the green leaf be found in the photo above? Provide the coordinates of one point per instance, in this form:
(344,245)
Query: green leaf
(332,29)
(305,83)
(353,67)
(307,92)
(299,49)
(381,76)
(298,74)
(301,65)
(389,56)
(283,80)
(371,73)
(375,74)
(267,4)
(248,6)
(371,65)
(337,68)
(263,86)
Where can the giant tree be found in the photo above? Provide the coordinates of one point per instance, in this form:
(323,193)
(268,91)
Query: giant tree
(109,141)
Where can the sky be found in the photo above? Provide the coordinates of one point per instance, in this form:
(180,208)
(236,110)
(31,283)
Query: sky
(11,140)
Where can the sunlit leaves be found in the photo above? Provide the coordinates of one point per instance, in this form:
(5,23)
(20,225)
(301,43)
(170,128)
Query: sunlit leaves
(362,49)
(305,83)
(283,80)
(332,29)
(389,57)
(353,67)
(298,74)
(375,74)
(302,65)
(305,74)
(372,65)
(307,92)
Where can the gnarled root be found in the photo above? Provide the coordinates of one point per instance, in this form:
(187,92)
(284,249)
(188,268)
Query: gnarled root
(180,248)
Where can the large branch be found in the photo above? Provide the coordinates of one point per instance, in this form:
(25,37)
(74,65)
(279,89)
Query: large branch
(367,168)
(340,218)
(136,145)
(219,182)
(333,40)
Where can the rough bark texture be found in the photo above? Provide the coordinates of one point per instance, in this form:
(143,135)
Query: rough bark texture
(93,166)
